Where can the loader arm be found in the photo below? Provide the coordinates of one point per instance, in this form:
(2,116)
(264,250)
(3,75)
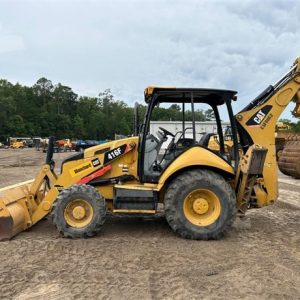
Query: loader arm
(256,126)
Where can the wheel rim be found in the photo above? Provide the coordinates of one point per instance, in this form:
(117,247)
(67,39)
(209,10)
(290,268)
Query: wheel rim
(202,207)
(78,213)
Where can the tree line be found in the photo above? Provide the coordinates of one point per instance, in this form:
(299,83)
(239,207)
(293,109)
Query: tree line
(46,109)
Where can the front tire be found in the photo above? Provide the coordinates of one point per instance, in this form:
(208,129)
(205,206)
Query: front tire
(79,211)
(200,205)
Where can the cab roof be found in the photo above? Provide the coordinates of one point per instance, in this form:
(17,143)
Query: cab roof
(178,95)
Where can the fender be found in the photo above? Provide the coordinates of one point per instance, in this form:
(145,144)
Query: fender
(195,156)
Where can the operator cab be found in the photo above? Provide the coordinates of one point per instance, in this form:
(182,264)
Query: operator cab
(161,147)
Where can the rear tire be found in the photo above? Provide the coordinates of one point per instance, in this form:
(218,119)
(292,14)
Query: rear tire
(200,205)
(79,212)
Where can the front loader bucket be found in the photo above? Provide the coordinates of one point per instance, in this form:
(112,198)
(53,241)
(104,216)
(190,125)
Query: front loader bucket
(14,209)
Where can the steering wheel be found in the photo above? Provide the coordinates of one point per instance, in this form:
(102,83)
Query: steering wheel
(166,132)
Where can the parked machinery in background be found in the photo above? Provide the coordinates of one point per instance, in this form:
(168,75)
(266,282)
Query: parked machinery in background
(16,144)
(81,145)
(63,145)
(282,132)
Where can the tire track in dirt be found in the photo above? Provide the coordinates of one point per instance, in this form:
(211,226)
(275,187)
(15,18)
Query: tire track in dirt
(135,257)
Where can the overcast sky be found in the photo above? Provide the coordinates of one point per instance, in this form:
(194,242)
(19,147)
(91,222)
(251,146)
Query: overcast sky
(127,45)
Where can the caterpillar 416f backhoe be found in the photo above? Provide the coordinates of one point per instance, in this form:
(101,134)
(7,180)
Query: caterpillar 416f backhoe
(201,190)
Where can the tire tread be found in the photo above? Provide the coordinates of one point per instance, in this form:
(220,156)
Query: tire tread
(186,179)
(100,208)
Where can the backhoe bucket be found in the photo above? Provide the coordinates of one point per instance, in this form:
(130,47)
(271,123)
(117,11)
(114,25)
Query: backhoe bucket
(14,209)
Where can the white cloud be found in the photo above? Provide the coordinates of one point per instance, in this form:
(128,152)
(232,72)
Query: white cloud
(10,42)
(126,45)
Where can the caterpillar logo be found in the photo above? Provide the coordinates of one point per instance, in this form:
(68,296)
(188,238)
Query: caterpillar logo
(81,168)
(96,162)
(259,116)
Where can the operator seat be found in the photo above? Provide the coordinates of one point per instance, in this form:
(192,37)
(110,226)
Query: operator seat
(152,148)
(205,139)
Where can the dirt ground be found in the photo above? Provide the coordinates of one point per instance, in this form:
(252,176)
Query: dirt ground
(136,258)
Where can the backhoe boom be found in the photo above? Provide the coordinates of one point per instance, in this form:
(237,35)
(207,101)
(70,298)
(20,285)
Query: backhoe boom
(257,122)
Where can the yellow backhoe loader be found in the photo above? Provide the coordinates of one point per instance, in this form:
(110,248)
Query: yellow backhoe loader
(17,144)
(201,190)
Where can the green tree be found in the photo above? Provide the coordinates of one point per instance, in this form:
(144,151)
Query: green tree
(55,109)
